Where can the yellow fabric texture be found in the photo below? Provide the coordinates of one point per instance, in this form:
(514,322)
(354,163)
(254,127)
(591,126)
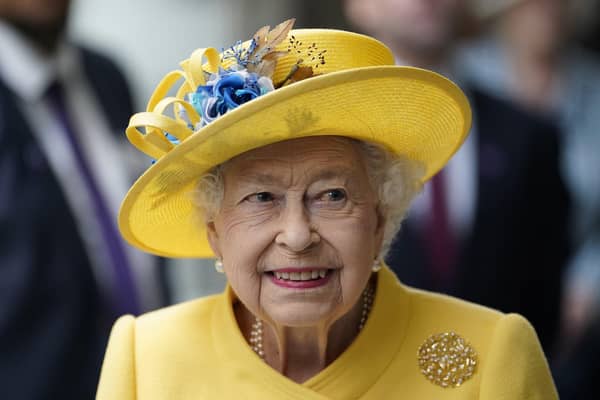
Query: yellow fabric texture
(196,351)
(357,93)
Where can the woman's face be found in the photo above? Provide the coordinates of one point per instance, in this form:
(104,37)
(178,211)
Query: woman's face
(298,229)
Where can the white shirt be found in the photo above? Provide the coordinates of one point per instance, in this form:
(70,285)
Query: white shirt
(28,73)
(460,182)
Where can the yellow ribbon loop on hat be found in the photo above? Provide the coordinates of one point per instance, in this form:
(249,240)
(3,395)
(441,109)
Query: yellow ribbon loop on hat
(178,104)
(163,88)
(154,123)
(153,143)
(195,66)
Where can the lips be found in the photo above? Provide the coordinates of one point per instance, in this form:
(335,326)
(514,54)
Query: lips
(305,275)
(300,278)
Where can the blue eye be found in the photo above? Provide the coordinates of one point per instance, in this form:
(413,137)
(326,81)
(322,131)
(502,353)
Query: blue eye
(261,197)
(334,195)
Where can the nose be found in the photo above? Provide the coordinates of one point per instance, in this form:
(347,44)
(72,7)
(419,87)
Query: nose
(296,232)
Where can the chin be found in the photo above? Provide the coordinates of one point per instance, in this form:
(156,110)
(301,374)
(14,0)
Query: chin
(299,315)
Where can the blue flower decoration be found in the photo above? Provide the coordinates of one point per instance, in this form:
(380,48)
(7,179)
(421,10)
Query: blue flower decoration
(226,91)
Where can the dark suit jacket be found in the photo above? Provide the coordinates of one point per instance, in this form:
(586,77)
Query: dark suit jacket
(577,375)
(513,258)
(53,324)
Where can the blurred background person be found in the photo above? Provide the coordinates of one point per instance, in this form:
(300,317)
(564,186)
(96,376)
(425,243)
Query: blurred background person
(64,273)
(577,374)
(478,230)
(121,29)
(590,37)
(529,56)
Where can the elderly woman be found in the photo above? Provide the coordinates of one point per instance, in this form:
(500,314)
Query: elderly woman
(292,158)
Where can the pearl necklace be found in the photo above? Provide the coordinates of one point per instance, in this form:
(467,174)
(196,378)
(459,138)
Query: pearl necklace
(256,334)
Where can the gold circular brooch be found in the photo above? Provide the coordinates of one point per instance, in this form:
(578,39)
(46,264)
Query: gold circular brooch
(447,360)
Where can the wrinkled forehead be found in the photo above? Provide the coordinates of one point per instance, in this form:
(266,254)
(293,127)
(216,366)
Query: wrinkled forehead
(325,157)
(332,149)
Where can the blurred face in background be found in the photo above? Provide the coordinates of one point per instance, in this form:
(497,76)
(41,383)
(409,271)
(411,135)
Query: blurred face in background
(538,26)
(417,25)
(41,20)
(35,12)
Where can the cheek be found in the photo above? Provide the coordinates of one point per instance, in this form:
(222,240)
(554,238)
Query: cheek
(243,245)
(244,282)
(241,239)
(354,241)
(353,237)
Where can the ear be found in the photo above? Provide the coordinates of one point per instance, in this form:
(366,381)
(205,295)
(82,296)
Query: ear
(213,239)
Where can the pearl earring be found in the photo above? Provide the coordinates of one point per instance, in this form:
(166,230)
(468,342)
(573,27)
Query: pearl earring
(376,265)
(219,266)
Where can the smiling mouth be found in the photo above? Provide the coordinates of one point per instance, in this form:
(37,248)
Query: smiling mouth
(299,276)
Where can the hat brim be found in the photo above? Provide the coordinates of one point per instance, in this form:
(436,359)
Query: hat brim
(410,111)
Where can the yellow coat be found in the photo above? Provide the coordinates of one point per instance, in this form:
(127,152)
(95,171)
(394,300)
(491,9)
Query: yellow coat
(196,351)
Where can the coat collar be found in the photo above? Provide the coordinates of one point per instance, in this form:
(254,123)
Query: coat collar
(349,376)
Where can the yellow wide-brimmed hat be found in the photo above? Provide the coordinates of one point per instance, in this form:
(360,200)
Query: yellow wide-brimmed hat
(280,85)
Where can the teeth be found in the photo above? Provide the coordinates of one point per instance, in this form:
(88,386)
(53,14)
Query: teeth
(301,276)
